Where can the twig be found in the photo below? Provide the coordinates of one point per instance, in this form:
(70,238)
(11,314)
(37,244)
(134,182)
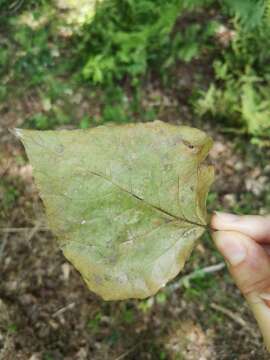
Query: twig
(238,320)
(122,356)
(13,8)
(33,232)
(5,168)
(16,5)
(207,270)
(22,229)
(235,317)
(64,309)
(3,245)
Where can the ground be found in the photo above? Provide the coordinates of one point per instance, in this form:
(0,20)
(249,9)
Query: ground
(46,310)
(48,313)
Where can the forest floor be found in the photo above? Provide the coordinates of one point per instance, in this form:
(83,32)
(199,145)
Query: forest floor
(46,310)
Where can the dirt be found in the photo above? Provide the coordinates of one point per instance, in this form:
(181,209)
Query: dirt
(46,310)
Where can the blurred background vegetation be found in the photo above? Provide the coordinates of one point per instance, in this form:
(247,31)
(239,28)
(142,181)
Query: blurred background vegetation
(58,49)
(81,63)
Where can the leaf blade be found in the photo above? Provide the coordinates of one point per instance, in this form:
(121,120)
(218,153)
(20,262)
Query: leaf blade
(127,203)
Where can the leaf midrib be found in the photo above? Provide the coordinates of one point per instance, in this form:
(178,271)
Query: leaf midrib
(164,212)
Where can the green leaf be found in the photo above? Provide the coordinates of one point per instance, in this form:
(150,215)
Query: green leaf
(127,203)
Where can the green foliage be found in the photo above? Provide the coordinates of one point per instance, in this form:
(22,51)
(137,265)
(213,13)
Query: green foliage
(95,323)
(249,12)
(124,36)
(85,122)
(199,284)
(35,57)
(130,42)
(12,329)
(46,121)
(9,8)
(240,95)
(116,106)
(8,194)
(128,37)
(267,11)
(128,316)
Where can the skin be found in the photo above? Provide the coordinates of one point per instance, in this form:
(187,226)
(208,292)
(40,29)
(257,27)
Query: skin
(244,241)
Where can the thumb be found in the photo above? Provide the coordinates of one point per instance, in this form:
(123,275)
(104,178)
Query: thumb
(249,265)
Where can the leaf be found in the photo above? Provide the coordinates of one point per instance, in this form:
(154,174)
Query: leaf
(127,203)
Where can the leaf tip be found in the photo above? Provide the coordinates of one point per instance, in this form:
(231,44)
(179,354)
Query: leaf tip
(17,132)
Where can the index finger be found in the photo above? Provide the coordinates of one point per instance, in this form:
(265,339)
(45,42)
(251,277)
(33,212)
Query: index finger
(255,226)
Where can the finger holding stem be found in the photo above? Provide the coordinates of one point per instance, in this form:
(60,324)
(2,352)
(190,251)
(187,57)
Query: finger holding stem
(255,226)
(249,265)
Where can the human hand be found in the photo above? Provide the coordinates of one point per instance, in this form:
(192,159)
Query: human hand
(244,241)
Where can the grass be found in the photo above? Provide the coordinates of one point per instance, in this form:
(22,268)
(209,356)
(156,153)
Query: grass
(12,328)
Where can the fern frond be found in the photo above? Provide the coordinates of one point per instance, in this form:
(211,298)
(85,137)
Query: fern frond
(267,12)
(250,13)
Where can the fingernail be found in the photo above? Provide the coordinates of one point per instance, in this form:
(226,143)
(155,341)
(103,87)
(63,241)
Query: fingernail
(265,296)
(232,249)
(227,217)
